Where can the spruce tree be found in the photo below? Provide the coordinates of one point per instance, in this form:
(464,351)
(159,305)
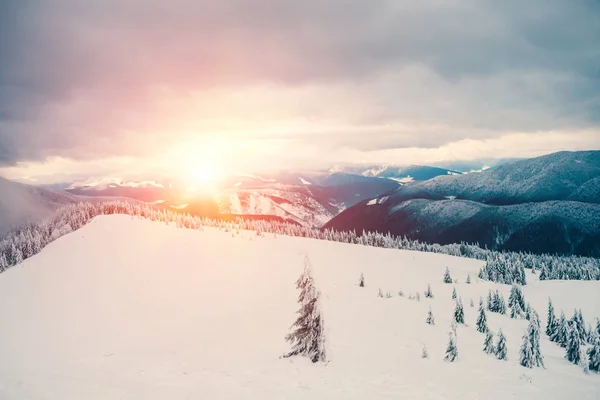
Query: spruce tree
(551,325)
(573,344)
(501,350)
(488,343)
(481,319)
(459,313)
(428,292)
(424,353)
(430,320)
(528,312)
(308,336)
(490,302)
(471,304)
(530,354)
(451,349)
(500,303)
(453,293)
(468,281)
(593,354)
(561,331)
(584,362)
(447,277)
(380,293)
(361,281)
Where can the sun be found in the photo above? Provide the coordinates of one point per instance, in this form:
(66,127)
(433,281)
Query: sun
(203,174)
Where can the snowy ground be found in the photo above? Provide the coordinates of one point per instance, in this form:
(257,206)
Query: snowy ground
(133,309)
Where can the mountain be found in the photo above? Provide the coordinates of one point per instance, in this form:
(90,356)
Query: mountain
(560,176)
(401,174)
(20,203)
(548,204)
(134,309)
(476,165)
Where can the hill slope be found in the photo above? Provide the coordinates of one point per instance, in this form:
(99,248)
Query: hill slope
(127,308)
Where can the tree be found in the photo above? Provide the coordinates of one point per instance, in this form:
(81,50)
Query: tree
(308,336)
(481,319)
(428,292)
(361,281)
(488,343)
(593,354)
(500,303)
(451,349)
(528,312)
(530,354)
(585,365)
(459,313)
(501,350)
(424,353)
(430,319)
(573,344)
(453,293)
(551,325)
(380,293)
(447,277)
(561,331)
(516,302)
(401,293)
(490,302)
(468,281)
(515,311)
(471,304)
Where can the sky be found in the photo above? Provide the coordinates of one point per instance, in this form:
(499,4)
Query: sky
(187,87)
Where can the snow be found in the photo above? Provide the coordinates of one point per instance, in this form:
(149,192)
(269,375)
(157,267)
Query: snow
(372,202)
(113,182)
(304,181)
(134,309)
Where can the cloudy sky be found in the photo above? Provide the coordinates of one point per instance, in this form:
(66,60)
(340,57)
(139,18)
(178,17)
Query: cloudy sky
(109,87)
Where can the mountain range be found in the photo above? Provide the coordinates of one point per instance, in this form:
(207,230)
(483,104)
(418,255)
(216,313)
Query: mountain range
(547,204)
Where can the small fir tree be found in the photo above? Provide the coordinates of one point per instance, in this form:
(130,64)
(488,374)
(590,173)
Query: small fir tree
(380,293)
(551,325)
(308,336)
(501,350)
(593,354)
(459,313)
(424,353)
(401,293)
(468,281)
(451,349)
(471,304)
(481,319)
(361,281)
(447,277)
(530,354)
(428,292)
(488,343)
(430,319)
(573,344)
(453,293)
(561,331)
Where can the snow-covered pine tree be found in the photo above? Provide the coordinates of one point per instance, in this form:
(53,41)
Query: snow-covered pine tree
(468,280)
(453,293)
(584,362)
(501,350)
(401,293)
(471,304)
(459,312)
(500,303)
(388,295)
(361,281)
(308,336)
(424,353)
(516,302)
(451,349)
(428,292)
(593,354)
(551,325)
(490,302)
(380,293)
(447,277)
(530,354)
(481,319)
(528,312)
(430,319)
(418,296)
(573,344)
(561,331)
(488,343)
(515,311)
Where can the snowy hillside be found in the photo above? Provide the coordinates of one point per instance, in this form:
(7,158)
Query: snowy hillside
(134,309)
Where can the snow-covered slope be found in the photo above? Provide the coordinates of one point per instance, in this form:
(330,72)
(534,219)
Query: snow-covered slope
(20,203)
(133,309)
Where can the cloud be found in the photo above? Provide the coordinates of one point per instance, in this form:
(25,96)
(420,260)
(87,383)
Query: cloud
(126,78)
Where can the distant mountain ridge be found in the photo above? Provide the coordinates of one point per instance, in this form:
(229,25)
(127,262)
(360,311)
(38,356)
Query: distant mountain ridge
(546,204)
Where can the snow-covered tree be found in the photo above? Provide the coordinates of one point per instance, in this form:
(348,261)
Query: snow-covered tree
(447,277)
(530,354)
(388,295)
(459,312)
(488,343)
(430,319)
(424,353)
(500,303)
(451,349)
(490,301)
(453,293)
(481,319)
(516,302)
(501,350)
(380,293)
(418,296)
(428,292)
(471,304)
(584,362)
(361,281)
(593,354)
(561,331)
(401,293)
(468,280)
(551,325)
(308,336)
(573,344)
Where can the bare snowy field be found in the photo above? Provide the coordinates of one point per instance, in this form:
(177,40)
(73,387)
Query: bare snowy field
(132,309)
